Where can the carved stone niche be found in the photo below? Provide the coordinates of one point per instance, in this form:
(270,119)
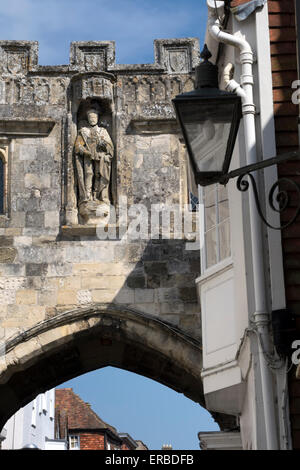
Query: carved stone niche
(92,85)
(18,57)
(92,56)
(178,56)
(90,162)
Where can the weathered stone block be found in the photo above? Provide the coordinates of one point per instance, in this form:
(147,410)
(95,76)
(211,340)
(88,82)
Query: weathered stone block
(103,296)
(103,282)
(144,295)
(36,269)
(34,219)
(124,296)
(7,254)
(6,241)
(26,297)
(188,294)
(136,282)
(66,297)
(155,267)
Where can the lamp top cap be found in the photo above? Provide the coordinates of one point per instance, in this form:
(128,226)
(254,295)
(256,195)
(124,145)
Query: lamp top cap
(205,53)
(206,72)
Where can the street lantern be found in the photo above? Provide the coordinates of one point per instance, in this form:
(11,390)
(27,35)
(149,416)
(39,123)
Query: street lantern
(209,119)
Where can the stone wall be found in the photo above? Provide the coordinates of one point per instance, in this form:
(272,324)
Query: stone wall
(49,261)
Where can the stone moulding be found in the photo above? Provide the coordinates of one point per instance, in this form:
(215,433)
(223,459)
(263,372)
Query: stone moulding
(142,125)
(18,57)
(92,55)
(131,335)
(93,84)
(83,230)
(24,127)
(177,55)
(171,55)
(98,310)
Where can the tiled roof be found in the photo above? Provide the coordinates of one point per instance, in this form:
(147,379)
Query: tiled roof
(73,413)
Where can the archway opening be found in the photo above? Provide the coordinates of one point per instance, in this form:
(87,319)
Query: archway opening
(76,342)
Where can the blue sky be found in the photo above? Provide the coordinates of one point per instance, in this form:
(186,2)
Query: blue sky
(143,408)
(131,403)
(133,24)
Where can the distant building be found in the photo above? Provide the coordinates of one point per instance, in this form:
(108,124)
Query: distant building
(33,425)
(141,445)
(84,429)
(61,420)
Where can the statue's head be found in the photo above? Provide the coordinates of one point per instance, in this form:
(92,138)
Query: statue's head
(92,116)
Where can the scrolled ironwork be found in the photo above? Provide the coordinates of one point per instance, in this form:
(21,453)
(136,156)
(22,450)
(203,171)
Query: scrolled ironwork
(282,198)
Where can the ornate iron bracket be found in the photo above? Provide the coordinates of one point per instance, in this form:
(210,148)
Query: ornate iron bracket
(282,198)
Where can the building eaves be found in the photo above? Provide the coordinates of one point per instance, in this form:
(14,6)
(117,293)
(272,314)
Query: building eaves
(126,437)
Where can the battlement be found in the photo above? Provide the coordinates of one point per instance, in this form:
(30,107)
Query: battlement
(170,55)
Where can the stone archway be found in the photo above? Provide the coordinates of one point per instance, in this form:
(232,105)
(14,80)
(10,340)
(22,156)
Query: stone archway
(78,341)
(81,340)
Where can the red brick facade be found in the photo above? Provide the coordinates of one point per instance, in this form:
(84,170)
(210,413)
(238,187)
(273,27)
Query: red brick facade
(74,417)
(91,441)
(284,71)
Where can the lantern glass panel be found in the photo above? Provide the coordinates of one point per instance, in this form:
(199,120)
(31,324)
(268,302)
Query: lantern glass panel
(207,128)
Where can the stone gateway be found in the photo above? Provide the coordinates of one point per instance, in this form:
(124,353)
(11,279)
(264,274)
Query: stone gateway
(75,140)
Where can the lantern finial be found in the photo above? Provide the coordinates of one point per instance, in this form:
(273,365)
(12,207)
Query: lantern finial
(205,54)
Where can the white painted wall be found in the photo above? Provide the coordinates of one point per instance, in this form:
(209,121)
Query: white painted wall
(230,356)
(32,423)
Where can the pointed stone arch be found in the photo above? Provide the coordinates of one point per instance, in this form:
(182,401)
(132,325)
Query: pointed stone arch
(78,341)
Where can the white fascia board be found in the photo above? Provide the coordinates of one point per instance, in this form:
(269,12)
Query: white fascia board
(268,148)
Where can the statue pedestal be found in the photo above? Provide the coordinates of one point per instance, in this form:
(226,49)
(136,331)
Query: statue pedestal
(94,212)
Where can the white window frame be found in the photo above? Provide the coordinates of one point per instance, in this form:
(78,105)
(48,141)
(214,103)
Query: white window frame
(76,438)
(202,228)
(33,413)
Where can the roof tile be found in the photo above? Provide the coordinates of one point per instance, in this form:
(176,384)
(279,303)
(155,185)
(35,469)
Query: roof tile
(71,412)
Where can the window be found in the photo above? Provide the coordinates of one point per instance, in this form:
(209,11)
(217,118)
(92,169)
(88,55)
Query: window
(33,414)
(43,403)
(51,405)
(74,442)
(194,202)
(215,226)
(192,188)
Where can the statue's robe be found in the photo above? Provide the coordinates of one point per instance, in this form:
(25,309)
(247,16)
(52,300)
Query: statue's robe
(93,170)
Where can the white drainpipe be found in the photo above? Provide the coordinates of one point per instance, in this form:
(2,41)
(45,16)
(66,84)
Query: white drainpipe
(261,316)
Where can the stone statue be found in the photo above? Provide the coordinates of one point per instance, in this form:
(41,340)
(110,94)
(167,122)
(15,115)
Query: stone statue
(94,151)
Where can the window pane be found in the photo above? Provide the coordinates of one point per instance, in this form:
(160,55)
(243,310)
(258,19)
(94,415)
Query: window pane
(224,239)
(74,442)
(208,128)
(211,248)
(210,207)
(1,186)
(223,205)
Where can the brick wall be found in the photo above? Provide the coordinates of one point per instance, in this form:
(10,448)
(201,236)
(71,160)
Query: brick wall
(91,441)
(284,70)
(96,441)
